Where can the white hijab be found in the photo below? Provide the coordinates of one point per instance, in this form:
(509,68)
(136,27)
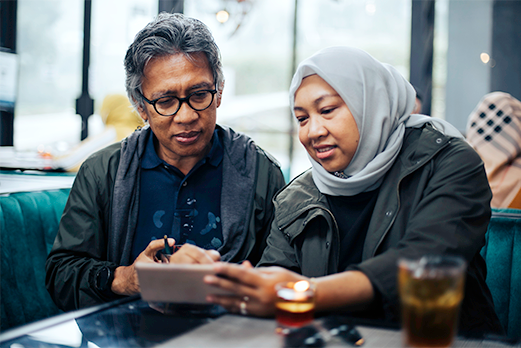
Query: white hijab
(381,101)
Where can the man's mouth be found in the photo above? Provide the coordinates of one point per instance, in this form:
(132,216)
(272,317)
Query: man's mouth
(187,137)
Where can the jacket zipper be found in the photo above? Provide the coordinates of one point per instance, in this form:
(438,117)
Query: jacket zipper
(334,227)
(418,165)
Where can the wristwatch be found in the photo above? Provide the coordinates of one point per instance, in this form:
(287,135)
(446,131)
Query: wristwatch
(104,279)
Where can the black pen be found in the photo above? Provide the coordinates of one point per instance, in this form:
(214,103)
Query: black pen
(168,249)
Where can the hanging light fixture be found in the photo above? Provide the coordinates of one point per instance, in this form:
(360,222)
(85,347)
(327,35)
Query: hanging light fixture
(222,16)
(233,11)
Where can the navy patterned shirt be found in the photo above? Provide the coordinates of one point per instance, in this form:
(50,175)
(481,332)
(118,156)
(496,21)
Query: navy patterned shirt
(186,208)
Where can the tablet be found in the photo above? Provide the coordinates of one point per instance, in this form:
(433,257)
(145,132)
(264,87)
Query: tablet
(175,283)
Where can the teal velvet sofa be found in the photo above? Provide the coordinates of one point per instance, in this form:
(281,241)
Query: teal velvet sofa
(28,224)
(502,253)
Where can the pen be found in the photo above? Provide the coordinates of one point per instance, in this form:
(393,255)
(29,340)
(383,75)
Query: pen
(168,249)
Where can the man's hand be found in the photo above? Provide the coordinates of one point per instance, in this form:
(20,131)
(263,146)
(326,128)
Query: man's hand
(125,277)
(189,253)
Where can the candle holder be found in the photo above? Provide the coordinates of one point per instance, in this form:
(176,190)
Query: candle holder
(295,306)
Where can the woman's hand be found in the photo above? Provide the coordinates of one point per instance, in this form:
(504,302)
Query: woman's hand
(254,286)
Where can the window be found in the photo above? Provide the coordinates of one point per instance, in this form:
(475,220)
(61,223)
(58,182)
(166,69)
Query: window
(256,47)
(50,46)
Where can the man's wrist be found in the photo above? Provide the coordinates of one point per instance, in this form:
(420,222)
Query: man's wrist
(103,279)
(122,283)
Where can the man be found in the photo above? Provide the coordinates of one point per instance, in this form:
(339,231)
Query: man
(206,187)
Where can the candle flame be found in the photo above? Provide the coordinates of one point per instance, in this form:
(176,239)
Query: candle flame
(301,286)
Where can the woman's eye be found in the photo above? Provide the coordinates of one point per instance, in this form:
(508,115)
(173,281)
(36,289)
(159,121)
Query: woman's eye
(301,119)
(327,111)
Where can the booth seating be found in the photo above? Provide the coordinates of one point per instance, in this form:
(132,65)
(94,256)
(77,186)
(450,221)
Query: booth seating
(502,253)
(28,223)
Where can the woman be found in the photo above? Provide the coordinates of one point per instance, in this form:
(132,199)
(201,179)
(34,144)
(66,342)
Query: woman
(383,184)
(493,131)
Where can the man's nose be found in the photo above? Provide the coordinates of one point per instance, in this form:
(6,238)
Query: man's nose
(185,114)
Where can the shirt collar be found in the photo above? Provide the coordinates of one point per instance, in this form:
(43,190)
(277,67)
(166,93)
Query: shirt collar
(151,159)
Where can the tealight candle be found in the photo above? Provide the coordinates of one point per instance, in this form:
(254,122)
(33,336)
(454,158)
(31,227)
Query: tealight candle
(295,304)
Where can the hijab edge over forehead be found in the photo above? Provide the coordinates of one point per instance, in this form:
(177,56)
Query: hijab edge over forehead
(381,101)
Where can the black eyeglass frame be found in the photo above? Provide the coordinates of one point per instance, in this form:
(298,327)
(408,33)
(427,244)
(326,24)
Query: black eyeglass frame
(181,100)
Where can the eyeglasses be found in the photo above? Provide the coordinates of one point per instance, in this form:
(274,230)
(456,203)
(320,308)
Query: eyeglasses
(170,105)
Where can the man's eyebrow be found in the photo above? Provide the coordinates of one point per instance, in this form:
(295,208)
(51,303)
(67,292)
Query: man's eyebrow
(202,85)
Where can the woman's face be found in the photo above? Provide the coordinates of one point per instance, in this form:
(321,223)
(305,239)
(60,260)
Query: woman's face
(327,129)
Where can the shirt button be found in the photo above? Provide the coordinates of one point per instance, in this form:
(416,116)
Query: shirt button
(185,183)
(438,141)
(327,245)
(165,166)
(388,213)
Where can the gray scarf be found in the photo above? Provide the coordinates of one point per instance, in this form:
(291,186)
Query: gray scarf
(381,101)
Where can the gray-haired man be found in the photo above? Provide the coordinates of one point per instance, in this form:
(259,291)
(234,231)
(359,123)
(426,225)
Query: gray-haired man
(203,185)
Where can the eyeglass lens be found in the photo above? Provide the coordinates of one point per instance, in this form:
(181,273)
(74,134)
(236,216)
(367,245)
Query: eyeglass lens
(198,101)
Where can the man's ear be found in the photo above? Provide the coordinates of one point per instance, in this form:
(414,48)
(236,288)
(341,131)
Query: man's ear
(142,112)
(219,94)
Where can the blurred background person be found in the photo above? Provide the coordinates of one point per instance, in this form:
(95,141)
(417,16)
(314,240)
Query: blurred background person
(117,112)
(494,130)
(119,119)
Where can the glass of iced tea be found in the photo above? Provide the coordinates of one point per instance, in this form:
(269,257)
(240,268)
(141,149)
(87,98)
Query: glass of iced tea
(295,306)
(431,290)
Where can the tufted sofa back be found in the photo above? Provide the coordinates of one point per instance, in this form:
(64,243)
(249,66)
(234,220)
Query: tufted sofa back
(502,253)
(28,225)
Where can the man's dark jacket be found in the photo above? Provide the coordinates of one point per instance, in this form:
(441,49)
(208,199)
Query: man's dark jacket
(435,199)
(100,218)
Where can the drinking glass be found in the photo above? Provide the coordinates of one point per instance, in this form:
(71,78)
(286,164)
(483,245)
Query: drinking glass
(431,291)
(295,306)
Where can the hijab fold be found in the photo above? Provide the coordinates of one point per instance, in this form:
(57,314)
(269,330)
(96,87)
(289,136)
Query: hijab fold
(381,101)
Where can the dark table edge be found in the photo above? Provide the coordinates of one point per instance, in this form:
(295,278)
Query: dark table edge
(59,319)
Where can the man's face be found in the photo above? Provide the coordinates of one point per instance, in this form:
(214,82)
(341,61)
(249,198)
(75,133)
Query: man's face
(184,138)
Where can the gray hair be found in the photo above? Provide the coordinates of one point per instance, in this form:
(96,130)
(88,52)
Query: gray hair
(166,35)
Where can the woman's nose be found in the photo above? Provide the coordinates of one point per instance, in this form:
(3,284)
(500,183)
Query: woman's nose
(317,128)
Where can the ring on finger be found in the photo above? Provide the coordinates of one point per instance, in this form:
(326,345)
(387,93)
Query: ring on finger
(242,308)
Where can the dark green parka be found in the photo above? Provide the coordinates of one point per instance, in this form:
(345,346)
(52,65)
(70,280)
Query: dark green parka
(100,218)
(435,199)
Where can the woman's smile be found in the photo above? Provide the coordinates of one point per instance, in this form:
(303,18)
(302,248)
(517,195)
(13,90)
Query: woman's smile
(324,151)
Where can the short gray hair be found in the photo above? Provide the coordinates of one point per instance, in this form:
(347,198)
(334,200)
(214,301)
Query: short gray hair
(166,35)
